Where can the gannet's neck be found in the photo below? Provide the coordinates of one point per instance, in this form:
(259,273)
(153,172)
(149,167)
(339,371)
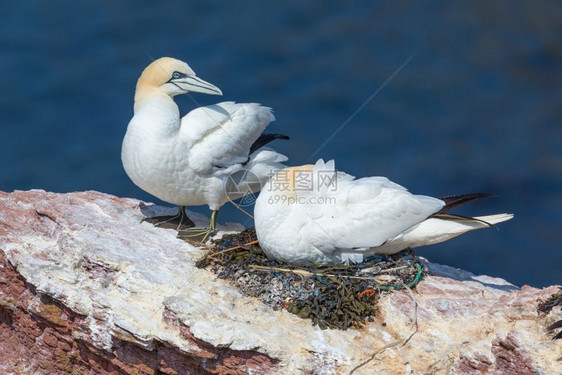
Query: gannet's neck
(144,95)
(157,111)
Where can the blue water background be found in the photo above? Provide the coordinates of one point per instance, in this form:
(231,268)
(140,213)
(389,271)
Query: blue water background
(478,108)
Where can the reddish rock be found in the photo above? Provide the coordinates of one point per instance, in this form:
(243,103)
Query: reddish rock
(38,333)
(29,342)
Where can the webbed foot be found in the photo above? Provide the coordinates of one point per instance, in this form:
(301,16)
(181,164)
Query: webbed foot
(178,222)
(200,234)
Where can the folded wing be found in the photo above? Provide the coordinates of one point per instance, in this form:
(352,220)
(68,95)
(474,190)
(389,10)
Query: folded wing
(219,137)
(363,213)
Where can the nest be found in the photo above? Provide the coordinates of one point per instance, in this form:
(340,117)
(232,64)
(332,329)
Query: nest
(553,300)
(546,306)
(336,297)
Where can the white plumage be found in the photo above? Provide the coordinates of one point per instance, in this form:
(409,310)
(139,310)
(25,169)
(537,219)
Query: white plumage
(190,164)
(337,218)
(188,161)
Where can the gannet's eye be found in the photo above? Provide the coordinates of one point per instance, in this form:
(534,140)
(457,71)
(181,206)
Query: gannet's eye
(176,75)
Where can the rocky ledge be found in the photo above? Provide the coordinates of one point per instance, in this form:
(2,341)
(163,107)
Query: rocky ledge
(85,287)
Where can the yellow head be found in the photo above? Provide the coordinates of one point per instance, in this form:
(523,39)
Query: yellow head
(171,77)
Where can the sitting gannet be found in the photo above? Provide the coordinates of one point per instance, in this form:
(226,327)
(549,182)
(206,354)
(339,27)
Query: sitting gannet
(210,155)
(314,214)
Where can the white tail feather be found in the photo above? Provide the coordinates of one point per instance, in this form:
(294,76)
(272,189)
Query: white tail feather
(435,230)
(495,219)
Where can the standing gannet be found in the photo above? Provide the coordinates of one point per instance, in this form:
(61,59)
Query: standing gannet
(210,155)
(314,214)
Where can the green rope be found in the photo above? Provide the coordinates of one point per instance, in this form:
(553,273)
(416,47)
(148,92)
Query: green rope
(400,287)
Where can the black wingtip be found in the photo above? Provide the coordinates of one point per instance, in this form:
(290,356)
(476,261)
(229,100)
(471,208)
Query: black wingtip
(452,201)
(265,138)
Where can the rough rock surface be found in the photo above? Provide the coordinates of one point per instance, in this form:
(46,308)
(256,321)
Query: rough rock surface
(85,287)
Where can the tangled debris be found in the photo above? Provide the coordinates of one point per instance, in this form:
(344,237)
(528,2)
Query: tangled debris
(332,297)
(546,306)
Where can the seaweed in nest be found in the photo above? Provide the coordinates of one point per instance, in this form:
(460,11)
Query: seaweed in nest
(336,297)
(546,306)
(553,300)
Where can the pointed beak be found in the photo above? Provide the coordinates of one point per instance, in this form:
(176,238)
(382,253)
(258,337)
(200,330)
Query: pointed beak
(191,83)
